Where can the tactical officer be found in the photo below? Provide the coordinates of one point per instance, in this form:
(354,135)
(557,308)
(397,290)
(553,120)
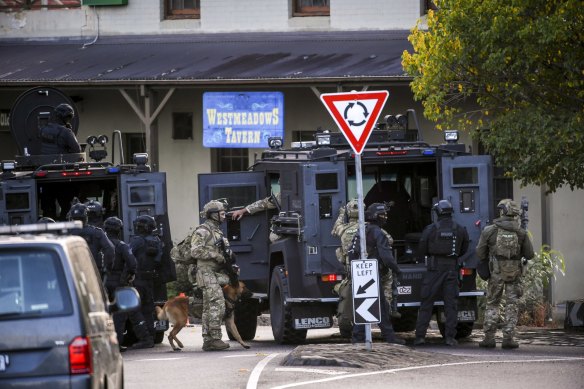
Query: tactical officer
(94,213)
(122,274)
(101,247)
(442,243)
(147,248)
(504,244)
(345,227)
(211,250)
(378,247)
(57,137)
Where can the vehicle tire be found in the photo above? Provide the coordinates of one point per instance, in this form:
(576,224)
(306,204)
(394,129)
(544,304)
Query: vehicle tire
(463,330)
(246,318)
(158,337)
(280,313)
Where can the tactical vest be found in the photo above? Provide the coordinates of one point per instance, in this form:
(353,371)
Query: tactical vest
(442,242)
(50,135)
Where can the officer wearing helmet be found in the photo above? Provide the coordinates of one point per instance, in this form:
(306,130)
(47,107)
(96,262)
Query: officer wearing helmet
(504,245)
(442,244)
(378,243)
(211,250)
(147,248)
(100,246)
(123,273)
(57,136)
(94,213)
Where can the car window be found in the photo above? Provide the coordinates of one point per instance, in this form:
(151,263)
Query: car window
(87,279)
(32,282)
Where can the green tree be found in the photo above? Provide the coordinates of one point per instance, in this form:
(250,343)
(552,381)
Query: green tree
(512,73)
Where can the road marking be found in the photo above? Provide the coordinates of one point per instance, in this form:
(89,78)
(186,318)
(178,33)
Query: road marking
(252,382)
(303,370)
(242,355)
(567,359)
(153,359)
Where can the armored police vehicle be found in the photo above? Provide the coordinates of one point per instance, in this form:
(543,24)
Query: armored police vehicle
(34,185)
(294,275)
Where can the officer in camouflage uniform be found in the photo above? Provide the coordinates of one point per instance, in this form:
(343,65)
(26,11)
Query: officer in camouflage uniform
(210,247)
(346,230)
(270,202)
(505,273)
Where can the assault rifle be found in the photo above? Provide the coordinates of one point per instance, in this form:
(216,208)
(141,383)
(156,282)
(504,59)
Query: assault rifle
(230,267)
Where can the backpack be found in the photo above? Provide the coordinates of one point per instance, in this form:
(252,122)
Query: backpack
(181,253)
(507,244)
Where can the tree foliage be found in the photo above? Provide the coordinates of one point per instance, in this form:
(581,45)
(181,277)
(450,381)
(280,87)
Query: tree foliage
(512,73)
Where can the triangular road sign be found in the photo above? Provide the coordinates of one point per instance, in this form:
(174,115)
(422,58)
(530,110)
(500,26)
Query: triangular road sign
(355,113)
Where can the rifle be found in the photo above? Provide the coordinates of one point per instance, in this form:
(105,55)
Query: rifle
(230,267)
(524,208)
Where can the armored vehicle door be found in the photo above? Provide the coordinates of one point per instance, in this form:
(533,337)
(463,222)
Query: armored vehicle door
(144,194)
(248,236)
(18,201)
(467,184)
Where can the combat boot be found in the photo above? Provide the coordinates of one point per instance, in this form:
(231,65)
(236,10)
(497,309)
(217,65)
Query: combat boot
(419,341)
(450,342)
(146,342)
(489,341)
(395,340)
(215,345)
(509,343)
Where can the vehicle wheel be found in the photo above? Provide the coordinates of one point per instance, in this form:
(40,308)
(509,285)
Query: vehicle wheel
(280,313)
(246,318)
(158,337)
(463,330)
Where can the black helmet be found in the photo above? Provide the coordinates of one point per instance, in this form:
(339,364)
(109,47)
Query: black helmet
(113,225)
(94,209)
(78,212)
(442,208)
(144,224)
(376,212)
(46,219)
(64,113)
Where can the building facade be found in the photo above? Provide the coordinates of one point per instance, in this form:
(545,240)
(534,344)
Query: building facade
(143,68)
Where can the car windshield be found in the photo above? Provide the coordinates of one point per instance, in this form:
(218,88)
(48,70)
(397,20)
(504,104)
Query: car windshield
(32,283)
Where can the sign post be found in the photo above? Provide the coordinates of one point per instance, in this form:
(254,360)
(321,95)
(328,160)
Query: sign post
(356,113)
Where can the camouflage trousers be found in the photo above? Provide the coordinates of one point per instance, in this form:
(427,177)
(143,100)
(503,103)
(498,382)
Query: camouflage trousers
(211,283)
(495,290)
(387,285)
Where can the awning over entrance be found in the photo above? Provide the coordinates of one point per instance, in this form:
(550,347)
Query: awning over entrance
(209,59)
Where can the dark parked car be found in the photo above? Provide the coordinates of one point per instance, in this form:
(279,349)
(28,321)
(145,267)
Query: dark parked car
(55,320)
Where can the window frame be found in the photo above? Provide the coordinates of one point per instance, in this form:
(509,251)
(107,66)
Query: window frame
(300,10)
(189,13)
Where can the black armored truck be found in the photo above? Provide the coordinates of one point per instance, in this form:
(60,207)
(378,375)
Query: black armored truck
(293,277)
(33,185)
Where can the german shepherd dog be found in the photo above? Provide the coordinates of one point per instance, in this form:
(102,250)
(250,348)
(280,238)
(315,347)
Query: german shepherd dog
(176,311)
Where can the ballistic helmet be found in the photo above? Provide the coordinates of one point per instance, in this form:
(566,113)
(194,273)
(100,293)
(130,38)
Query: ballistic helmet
(144,224)
(212,208)
(94,209)
(442,208)
(113,225)
(353,209)
(508,207)
(376,212)
(46,219)
(78,212)
(64,113)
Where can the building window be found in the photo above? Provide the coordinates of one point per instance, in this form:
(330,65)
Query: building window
(229,160)
(312,7)
(183,9)
(134,142)
(182,125)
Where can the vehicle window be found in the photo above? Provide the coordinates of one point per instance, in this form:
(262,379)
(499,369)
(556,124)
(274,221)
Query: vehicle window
(326,181)
(87,279)
(17,201)
(465,175)
(237,196)
(32,282)
(142,194)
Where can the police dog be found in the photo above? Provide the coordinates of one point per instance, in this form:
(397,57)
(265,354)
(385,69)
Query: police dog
(176,311)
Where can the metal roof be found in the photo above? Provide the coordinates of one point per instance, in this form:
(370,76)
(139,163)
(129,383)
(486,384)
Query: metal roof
(283,57)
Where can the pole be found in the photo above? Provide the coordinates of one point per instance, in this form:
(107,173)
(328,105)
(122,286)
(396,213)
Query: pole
(363,246)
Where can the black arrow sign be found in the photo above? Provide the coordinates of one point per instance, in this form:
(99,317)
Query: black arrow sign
(363,289)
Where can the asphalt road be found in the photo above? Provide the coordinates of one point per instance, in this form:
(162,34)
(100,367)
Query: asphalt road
(546,359)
